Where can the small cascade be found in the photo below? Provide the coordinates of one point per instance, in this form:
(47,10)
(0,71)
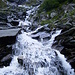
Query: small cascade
(38,59)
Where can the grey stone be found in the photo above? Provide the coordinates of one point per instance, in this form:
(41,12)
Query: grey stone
(7,58)
(9,32)
(8,37)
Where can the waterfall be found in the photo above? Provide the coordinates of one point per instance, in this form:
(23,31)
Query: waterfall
(38,59)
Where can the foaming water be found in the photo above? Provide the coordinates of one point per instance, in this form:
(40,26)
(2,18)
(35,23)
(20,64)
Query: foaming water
(39,59)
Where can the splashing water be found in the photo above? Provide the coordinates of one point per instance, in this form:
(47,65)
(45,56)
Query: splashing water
(38,59)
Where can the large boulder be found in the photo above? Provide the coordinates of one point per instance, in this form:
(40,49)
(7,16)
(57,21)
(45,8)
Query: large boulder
(11,16)
(5,55)
(8,36)
(5,61)
(42,33)
(41,36)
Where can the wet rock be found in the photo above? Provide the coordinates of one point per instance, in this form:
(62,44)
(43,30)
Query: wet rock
(65,26)
(20,60)
(72,62)
(12,15)
(69,32)
(6,58)
(68,8)
(66,38)
(5,51)
(5,55)
(53,14)
(3,16)
(4,25)
(21,13)
(8,36)
(23,61)
(41,35)
(5,61)
(65,43)
(14,22)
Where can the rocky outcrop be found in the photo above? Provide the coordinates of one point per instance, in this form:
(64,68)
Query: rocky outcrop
(7,38)
(5,55)
(5,61)
(31,2)
(10,17)
(42,33)
(66,23)
(65,43)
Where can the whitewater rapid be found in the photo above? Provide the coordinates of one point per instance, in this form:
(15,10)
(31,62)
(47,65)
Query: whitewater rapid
(42,60)
(39,59)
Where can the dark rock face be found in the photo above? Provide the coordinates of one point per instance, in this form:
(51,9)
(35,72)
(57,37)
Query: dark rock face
(11,0)
(3,16)
(17,1)
(14,23)
(65,43)
(7,37)
(11,16)
(5,56)
(6,60)
(9,21)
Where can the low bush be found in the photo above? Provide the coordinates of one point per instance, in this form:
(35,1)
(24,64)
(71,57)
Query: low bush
(51,4)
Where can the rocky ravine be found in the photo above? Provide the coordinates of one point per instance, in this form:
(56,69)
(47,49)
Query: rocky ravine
(9,20)
(10,16)
(65,42)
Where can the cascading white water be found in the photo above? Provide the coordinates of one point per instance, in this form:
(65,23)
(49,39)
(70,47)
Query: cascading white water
(39,59)
(42,60)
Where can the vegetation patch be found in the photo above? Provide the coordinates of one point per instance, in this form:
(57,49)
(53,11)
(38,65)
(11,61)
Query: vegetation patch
(48,5)
(2,4)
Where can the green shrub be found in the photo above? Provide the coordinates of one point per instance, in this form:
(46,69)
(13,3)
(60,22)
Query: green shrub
(74,1)
(50,4)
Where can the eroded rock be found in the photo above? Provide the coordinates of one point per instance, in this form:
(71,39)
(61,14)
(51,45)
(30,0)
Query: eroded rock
(5,56)
(8,36)
(65,43)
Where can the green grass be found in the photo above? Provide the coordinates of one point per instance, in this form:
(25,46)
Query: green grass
(2,4)
(50,22)
(72,12)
